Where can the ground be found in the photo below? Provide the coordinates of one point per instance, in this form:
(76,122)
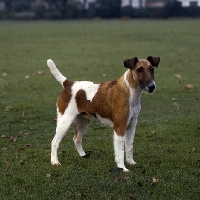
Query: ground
(167,137)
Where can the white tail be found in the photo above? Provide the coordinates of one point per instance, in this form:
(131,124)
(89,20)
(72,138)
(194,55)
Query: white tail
(56,73)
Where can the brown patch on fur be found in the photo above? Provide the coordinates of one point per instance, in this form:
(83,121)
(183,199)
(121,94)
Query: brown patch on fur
(111,83)
(120,106)
(130,78)
(111,101)
(84,106)
(65,97)
(67,83)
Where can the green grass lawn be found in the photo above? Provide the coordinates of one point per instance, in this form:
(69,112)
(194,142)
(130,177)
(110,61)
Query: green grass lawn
(167,141)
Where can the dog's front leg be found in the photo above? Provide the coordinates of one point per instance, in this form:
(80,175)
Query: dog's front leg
(119,151)
(129,138)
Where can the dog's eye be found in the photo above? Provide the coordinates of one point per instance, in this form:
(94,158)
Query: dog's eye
(140,70)
(151,69)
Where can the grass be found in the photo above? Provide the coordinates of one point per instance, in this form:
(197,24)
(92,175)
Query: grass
(168,132)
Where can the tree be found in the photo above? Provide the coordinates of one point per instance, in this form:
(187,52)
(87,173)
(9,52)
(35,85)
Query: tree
(108,8)
(21,5)
(173,9)
(8,5)
(127,11)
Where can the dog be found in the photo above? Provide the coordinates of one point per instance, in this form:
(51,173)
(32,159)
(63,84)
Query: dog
(115,103)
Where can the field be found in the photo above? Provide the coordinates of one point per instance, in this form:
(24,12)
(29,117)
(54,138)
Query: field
(167,140)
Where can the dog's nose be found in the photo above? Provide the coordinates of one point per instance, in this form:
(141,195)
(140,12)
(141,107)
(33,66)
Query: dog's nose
(151,87)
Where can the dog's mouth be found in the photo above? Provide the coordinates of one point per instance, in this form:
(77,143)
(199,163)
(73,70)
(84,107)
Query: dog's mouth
(150,87)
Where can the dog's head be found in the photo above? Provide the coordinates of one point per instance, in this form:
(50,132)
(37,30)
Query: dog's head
(142,71)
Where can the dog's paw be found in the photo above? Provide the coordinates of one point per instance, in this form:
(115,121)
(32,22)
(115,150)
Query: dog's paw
(131,162)
(87,155)
(55,163)
(118,170)
(126,170)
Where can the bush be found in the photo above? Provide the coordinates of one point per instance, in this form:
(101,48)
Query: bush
(192,11)
(91,13)
(20,6)
(142,13)
(4,15)
(73,10)
(157,13)
(127,11)
(173,9)
(52,15)
(108,8)
(24,15)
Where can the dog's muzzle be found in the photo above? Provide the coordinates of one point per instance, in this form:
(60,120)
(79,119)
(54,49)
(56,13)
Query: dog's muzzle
(150,87)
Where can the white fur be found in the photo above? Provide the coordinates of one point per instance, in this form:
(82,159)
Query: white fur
(63,124)
(59,77)
(129,137)
(105,121)
(118,142)
(90,89)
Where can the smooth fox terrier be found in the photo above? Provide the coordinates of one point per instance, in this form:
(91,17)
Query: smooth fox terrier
(115,103)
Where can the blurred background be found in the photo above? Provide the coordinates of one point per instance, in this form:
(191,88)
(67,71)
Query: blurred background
(97,9)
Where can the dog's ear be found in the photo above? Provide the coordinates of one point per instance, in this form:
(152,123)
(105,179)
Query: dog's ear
(130,63)
(154,60)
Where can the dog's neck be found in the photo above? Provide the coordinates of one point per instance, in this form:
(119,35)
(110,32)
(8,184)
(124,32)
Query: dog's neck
(131,82)
(132,85)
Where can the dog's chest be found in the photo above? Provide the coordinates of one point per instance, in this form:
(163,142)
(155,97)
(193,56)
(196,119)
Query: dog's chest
(134,105)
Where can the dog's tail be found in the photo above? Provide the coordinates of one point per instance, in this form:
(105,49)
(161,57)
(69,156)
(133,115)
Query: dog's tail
(56,73)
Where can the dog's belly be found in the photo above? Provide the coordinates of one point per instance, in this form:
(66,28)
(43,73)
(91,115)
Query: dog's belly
(105,121)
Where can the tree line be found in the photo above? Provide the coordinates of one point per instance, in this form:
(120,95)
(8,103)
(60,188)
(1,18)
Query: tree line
(74,9)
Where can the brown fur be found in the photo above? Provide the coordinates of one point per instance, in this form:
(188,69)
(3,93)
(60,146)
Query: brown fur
(65,97)
(109,98)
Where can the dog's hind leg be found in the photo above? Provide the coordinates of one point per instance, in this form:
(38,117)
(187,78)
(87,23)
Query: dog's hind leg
(63,124)
(81,124)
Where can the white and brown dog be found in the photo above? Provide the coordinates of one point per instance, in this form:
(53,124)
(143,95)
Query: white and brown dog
(116,103)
